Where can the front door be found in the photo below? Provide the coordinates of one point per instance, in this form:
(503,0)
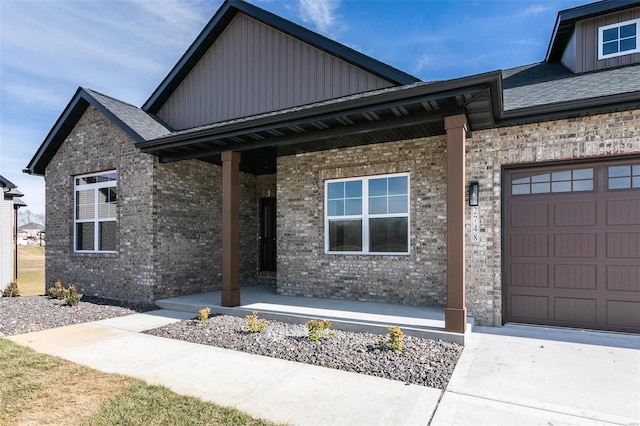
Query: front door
(267,238)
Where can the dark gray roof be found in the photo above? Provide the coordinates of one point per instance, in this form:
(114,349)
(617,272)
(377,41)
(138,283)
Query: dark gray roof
(145,125)
(6,183)
(136,123)
(551,83)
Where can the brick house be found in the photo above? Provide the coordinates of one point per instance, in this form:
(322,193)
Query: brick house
(270,153)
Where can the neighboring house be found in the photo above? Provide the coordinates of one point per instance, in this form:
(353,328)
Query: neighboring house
(9,204)
(30,233)
(269,147)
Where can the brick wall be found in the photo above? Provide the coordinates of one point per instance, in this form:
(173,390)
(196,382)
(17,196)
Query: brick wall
(420,279)
(169,219)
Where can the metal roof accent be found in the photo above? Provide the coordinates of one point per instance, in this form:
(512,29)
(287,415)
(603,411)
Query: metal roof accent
(566,20)
(225,15)
(136,123)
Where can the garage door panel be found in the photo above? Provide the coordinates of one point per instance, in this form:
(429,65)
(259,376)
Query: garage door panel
(529,245)
(623,245)
(623,278)
(529,275)
(575,310)
(582,277)
(575,214)
(575,245)
(529,215)
(528,307)
(623,212)
(623,313)
(572,251)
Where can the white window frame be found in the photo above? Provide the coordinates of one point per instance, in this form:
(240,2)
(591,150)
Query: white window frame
(365,216)
(96,220)
(601,30)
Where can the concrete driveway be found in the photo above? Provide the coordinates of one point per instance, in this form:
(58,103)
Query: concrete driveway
(522,375)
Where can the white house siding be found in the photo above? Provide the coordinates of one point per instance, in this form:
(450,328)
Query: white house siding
(6,241)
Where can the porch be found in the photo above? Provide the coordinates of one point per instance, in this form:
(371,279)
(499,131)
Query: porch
(417,321)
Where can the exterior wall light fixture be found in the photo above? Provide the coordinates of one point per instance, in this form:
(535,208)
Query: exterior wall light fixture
(474,190)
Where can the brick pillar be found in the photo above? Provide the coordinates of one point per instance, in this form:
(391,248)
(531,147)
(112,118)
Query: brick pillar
(230,228)
(455,318)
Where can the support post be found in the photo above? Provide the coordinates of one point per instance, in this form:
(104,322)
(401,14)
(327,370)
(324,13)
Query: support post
(455,318)
(230,228)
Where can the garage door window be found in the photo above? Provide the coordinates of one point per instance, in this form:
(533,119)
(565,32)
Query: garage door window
(558,181)
(624,177)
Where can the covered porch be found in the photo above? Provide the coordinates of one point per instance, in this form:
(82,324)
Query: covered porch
(416,321)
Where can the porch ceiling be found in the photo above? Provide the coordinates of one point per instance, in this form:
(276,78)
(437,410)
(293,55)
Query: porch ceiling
(400,113)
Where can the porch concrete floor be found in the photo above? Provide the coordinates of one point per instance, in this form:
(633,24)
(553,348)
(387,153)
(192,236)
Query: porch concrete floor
(418,321)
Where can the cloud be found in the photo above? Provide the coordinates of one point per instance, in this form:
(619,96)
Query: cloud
(534,10)
(525,42)
(421,63)
(322,14)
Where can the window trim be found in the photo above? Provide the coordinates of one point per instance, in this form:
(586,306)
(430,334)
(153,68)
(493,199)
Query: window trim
(365,216)
(601,55)
(96,220)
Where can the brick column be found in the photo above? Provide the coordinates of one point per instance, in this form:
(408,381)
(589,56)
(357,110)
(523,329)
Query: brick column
(230,228)
(455,318)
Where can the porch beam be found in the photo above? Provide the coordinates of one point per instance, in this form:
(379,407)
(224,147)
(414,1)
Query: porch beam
(455,318)
(230,228)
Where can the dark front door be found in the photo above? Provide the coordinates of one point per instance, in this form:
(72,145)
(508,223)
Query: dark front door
(267,238)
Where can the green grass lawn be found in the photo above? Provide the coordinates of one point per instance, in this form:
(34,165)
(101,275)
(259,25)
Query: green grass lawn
(31,270)
(45,390)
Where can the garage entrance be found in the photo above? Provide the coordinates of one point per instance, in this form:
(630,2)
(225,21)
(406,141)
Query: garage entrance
(572,245)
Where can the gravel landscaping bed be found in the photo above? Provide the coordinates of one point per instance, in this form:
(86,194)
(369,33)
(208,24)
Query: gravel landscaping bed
(422,361)
(26,314)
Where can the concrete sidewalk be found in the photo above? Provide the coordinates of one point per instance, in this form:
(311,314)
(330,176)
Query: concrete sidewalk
(514,375)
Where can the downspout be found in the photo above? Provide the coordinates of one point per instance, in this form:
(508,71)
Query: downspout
(15,244)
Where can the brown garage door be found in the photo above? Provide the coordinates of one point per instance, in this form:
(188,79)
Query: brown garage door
(572,245)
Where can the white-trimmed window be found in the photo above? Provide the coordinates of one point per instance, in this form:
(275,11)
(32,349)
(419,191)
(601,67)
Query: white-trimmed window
(96,200)
(367,215)
(618,39)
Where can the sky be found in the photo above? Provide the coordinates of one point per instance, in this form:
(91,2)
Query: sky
(125,48)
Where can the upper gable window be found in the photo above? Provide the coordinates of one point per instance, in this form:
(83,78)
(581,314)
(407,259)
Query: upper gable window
(618,39)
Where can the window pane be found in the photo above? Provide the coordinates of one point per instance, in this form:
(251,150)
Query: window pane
(107,201)
(540,178)
(107,236)
(561,176)
(378,187)
(619,183)
(398,185)
(84,236)
(520,189)
(636,182)
(353,189)
(583,185)
(335,190)
(378,205)
(353,206)
(627,44)
(388,235)
(609,48)
(627,30)
(521,180)
(636,170)
(583,174)
(610,34)
(398,204)
(85,208)
(561,187)
(335,208)
(617,171)
(345,235)
(539,188)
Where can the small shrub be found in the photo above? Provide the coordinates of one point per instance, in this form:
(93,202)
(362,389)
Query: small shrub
(57,291)
(319,330)
(11,290)
(395,338)
(254,324)
(203,314)
(72,298)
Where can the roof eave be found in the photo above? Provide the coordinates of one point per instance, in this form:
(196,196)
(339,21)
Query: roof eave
(64,125)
